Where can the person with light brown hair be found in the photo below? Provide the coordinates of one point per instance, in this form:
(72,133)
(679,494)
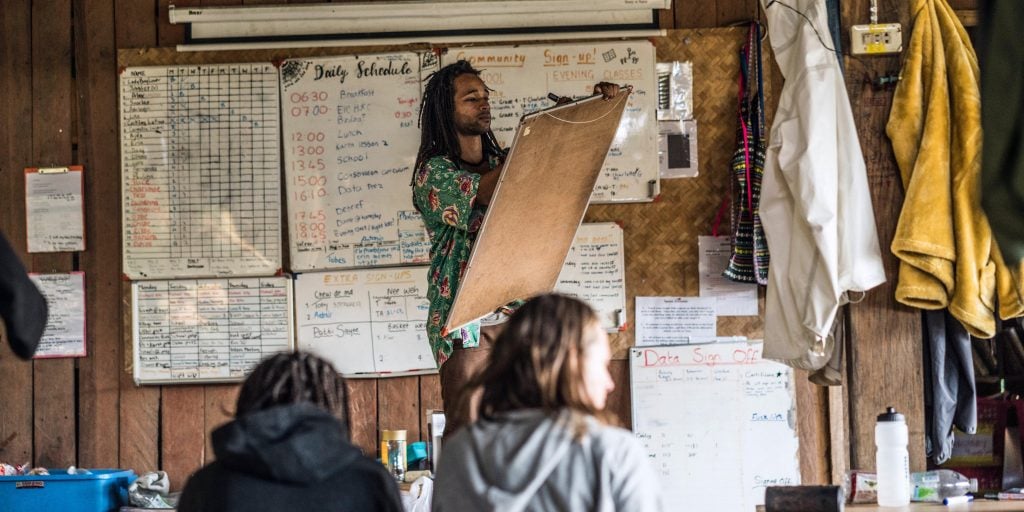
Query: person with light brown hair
(543,440)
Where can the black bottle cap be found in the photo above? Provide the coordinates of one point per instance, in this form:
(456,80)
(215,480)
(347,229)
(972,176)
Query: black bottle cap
(890,414)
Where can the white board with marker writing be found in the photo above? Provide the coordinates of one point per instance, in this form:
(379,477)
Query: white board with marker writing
(594,272)
(350,141)
(368,323)
(718,422)
(521,77)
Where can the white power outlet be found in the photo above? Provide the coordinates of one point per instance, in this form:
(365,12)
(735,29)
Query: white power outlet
(876,39)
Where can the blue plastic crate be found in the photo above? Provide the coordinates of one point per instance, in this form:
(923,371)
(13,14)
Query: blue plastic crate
(105,490)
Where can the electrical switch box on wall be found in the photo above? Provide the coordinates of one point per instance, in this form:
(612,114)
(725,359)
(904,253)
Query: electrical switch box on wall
(876,39)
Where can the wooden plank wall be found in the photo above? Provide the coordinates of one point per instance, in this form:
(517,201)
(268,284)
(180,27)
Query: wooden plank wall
(59,88)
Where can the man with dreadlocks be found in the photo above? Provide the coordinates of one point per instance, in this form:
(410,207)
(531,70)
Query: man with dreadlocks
(288,448)
(456,172)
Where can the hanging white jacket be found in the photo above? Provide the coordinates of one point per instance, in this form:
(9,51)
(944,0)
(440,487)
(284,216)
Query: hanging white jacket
(815,203)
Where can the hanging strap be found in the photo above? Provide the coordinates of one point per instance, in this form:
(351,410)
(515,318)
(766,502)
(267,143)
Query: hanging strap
(744,58)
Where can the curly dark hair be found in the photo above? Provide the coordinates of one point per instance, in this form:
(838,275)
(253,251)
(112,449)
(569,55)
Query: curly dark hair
(290,378)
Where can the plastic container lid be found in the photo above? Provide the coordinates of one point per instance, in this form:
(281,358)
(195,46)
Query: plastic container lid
(392,435)
(890,414)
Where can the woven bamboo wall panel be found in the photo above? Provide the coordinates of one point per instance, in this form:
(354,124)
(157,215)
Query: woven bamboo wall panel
(661,237)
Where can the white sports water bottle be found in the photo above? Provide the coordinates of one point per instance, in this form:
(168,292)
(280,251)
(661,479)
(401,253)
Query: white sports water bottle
(892,462)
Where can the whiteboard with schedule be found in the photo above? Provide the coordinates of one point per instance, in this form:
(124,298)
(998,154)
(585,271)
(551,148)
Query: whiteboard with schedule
(718,422)
(368,323)
(522,76)
(350,141)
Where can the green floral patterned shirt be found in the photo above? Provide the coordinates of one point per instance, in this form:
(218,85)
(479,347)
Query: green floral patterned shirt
(446,197)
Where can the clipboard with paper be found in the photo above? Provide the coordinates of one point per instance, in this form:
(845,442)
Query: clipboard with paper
(54,209)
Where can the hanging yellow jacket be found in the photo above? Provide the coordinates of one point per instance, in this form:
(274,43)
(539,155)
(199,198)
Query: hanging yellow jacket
(947,254)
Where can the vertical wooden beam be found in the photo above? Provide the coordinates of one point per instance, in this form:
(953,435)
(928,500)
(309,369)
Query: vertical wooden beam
(15,152)
(430,399)
(135,26)
(362,414)
(812,427)
(398,405)
(98,389)
(885,337)
(731,12)
(182,432)
(54,379)
(220,409)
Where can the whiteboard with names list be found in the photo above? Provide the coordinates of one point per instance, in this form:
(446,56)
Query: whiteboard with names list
(200,171)
(522,76)
(208,330)
(350,142)
(718,422)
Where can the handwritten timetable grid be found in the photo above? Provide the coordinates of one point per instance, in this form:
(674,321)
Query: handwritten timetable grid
(200,170)
(210,329)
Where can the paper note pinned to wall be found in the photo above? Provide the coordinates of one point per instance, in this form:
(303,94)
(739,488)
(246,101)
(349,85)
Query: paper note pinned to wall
(733,299)
(64,335)
(54,213)
(666,320)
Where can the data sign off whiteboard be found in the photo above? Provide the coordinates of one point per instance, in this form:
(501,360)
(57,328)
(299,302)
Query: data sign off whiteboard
(718,422)
(351,136)
(594,271)
(366,322)
(522,77)
(210,330)
(200,172)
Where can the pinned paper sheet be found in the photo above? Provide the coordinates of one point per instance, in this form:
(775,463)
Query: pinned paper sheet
(733,299)
(673,320)
(65,324)
(54,213)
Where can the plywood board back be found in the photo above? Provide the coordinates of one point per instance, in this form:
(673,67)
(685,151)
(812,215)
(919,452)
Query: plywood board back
(541,197)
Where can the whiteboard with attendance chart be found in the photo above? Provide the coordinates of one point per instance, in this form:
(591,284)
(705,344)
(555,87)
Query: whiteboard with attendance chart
(350,141)
(208,330)
(521,77)
(718,422)
(200,171)
(368,323)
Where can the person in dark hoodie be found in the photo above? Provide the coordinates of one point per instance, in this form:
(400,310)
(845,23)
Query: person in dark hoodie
(288,448)
(542,441)
(22,306)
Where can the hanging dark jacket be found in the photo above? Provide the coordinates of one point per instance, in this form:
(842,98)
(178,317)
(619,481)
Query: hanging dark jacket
(292,457)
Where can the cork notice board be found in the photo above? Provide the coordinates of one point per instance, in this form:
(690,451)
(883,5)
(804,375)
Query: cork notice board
(550,172)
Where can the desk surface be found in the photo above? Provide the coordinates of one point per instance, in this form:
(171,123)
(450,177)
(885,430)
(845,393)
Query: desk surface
(974,506)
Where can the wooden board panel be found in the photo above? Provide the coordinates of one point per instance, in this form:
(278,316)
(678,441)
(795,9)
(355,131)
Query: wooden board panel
(398,406)
(16,430)
(135,23)
(139,418)
(98,386)
(168,34)
(219,409)
(695,13)
(182,432)
(430,399)
(52,103)
(362,414)
(885,358)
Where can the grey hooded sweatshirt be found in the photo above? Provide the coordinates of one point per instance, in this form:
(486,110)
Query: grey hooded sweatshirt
(529,460)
